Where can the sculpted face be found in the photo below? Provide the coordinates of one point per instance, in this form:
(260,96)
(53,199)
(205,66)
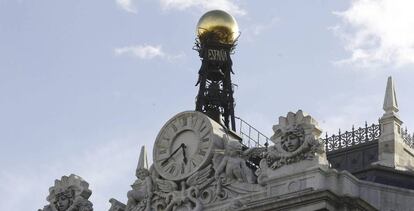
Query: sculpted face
(291,142)
(62,202)
(142,174)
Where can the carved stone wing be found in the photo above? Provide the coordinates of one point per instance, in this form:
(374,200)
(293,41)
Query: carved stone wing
(201,178)
(166,186)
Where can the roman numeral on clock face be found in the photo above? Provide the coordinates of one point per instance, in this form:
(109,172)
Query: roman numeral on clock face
(202,152)
(164,163)
(194,122)
(182,168)
(203,127)
(205,139)
(171,169)
(184,121)
(162,150)
(193,164)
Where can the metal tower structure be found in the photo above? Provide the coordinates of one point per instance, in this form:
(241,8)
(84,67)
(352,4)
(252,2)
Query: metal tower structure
(215,43)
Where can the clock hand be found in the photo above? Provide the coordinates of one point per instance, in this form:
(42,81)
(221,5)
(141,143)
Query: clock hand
(185,158)
(172,154)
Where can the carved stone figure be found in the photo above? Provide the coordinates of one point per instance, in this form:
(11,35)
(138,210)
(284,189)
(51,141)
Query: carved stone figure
(139,198)
(232,165)
(295,138)
(69,194)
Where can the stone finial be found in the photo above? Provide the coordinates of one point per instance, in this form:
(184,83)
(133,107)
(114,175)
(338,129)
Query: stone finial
(392,151)
(143,161)
(390,99)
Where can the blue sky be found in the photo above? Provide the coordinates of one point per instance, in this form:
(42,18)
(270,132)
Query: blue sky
(84,84)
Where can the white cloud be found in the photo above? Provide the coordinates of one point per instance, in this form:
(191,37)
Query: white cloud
(146,52)
(142,52)
(203,5)
(226,5)
(378,32)
(127,5)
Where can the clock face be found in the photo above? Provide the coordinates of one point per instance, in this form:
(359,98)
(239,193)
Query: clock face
(183,145)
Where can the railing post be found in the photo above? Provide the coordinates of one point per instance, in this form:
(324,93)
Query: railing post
(340,139)
(353,134)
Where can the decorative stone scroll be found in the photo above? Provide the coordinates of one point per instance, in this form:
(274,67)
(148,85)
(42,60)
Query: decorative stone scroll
(69,194)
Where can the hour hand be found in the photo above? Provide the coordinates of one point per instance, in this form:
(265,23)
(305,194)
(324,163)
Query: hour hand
(185,157)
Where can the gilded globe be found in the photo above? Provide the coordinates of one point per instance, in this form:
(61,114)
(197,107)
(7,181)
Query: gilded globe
(219,26)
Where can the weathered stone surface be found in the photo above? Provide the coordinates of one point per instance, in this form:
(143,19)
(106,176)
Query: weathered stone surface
(392,151)
(297,141)
(322,187)
(231,166)
(116,205)
(293,175)
(69,194)
(139,198)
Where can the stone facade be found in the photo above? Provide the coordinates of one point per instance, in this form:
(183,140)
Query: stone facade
(217,172)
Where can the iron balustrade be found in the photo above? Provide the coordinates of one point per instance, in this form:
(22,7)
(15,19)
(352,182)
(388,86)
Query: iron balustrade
(352,138)
(251,137)
(407,137)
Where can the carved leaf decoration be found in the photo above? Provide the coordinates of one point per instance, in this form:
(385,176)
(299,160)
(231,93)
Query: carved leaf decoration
(255,152)
(201,178)
(166,186)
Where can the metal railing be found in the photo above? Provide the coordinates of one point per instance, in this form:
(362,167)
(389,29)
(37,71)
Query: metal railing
(251,137)
(407,137)
(352,138)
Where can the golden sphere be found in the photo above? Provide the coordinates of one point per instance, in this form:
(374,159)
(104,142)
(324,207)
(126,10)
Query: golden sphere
(218,25)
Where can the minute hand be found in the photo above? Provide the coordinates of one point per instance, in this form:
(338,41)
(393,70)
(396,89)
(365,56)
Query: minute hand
(172,154)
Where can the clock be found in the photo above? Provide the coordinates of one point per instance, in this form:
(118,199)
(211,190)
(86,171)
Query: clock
(185,144)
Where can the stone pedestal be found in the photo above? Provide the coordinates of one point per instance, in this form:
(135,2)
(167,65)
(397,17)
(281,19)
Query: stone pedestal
(304,165)
(392,151)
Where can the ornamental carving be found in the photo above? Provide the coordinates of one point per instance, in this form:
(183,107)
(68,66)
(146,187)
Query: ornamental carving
(69,194)
(230,166)
(295,138)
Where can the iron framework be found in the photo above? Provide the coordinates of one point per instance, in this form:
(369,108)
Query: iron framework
(215,95)
(251,137)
